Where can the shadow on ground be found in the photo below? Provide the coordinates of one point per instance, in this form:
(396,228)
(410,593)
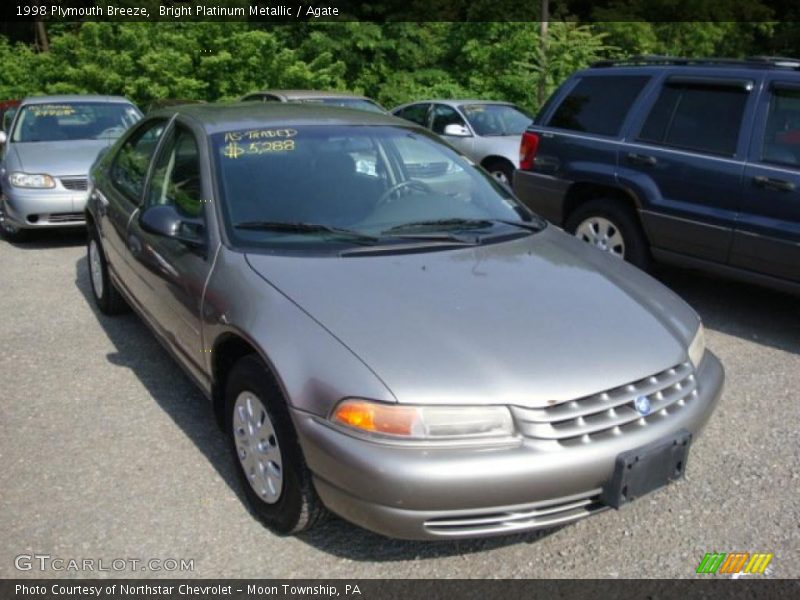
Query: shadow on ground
(138,350)
(53,238)
(743,310)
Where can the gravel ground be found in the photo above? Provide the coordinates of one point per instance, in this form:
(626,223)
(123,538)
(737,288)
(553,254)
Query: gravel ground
(108,451)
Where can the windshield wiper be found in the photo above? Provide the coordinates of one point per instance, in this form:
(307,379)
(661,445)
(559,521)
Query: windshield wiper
(445,224)
(462,224)
(301,227)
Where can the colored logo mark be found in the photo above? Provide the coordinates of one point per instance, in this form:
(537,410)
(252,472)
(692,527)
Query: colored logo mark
(734,562)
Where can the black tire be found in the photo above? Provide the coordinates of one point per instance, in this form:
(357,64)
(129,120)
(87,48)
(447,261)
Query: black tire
(108,299)
(623,219)
(498,167)
(297,508)
(13,234)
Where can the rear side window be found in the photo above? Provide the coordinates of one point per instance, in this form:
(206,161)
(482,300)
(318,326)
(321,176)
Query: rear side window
(782,135)
(416,113)
(599,104)
(701,117)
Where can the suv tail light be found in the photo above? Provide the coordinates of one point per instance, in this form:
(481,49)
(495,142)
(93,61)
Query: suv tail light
(527,150)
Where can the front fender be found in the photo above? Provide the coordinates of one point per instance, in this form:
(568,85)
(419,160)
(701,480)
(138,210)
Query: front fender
(314,368)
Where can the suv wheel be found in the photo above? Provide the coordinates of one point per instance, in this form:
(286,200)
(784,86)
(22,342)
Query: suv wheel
(269,461)
(105,294)
(502,170)
(610,227)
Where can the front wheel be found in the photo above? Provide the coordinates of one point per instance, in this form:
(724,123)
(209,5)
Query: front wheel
(501,170)
(610,227)
(11,232)
(269,461)
(106,296)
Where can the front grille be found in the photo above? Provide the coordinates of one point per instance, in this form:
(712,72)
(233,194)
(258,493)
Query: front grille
(611,412)
(65,217)
(534,516)
(78,184)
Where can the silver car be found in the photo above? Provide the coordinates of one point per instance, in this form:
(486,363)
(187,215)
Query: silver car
(488,132)
(385,332)
(51,144)
(342,99)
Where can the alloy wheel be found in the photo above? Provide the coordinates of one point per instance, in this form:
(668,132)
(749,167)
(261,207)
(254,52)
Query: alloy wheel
(96,268)
(603,234)
(257,447)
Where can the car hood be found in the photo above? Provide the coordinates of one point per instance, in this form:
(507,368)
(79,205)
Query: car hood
(543,318)
(57,158)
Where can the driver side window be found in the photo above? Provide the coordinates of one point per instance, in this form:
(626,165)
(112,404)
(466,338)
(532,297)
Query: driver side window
(443,116)
(129,170)
(176,176)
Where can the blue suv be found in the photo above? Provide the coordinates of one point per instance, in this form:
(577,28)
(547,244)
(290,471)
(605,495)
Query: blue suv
(694,162)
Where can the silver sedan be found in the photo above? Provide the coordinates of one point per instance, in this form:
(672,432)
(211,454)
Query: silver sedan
(488,132)
(52,143)
(385,332)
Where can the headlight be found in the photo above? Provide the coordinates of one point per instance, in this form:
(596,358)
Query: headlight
(698,347)
(29,180)
(423,422)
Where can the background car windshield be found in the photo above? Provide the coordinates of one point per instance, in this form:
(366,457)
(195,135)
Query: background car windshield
(496,119)
(367,179)
(61,121)
(357,103)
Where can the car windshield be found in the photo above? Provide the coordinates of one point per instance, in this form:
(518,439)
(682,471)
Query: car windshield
(327,184)
(496,119)
(357,103)
(61,121)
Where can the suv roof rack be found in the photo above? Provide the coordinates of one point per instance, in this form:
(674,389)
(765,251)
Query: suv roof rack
(758,62)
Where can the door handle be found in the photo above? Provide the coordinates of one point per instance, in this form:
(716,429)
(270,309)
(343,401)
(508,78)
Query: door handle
(642,159)
(780,185)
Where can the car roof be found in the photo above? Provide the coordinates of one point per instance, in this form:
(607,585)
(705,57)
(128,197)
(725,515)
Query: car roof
(456,102)
(74,98)
(298,94)
(217,118)
(651,64)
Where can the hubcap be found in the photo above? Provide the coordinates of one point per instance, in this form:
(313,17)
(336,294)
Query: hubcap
(96,268)
(603,234)
(500,176)
(257,447)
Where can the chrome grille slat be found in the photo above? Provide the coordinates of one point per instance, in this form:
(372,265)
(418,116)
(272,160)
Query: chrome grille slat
(79,184)
(535,517)
(610,399)
(64,217)
(608,411)
(511,516)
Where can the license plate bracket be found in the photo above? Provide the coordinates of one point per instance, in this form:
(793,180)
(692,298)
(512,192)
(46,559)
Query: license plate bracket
(640,471)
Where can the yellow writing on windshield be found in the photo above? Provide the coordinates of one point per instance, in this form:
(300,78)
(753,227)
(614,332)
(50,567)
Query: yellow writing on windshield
(52,110)
(259,134)
(234,149)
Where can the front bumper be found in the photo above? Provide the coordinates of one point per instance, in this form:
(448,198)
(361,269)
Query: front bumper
(34,209)
(427,492)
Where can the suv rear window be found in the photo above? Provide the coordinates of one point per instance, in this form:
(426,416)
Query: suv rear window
(599,104)
(701,117)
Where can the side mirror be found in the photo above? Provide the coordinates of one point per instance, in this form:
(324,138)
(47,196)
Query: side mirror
(3,138)
(164,220)
(456,130)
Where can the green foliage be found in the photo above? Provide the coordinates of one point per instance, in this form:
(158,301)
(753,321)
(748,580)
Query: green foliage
(392,62)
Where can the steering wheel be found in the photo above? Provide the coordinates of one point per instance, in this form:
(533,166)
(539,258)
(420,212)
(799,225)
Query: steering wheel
(408,183)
